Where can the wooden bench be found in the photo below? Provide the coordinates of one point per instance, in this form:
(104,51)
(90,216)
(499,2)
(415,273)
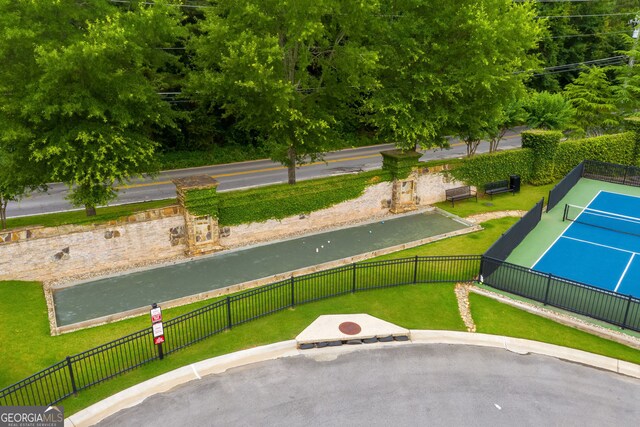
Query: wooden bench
(460,193)
(498,187)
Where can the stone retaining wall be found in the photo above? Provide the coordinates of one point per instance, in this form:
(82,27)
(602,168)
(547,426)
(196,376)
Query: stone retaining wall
(375,202)
(54,253)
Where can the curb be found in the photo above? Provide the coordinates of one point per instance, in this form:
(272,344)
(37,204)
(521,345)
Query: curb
(165,382)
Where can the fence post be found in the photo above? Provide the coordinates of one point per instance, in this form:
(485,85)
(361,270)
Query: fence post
(73,379)
(229,324)
(415,271)
(546,292)
(353,279)
(626,313)
(293,295)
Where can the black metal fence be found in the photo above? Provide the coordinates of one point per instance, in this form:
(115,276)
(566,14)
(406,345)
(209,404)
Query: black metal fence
(611,307)
(503,247)
(611,172)
(562,188)
(91,367)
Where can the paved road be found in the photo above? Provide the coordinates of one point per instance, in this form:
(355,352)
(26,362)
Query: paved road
(434,385)
(241,175)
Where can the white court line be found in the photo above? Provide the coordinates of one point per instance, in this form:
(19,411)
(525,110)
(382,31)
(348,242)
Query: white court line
(561,234)
(620,194)
(599,244)
(624,273)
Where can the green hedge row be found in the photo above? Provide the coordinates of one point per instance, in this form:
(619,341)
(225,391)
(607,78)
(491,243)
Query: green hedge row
(283,200)
(544,144)
(483,168)
(618,148)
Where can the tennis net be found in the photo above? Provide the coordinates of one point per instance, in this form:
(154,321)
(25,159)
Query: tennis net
(602,219)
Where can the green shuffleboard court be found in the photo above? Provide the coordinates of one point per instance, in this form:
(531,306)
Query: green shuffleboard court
(120,293)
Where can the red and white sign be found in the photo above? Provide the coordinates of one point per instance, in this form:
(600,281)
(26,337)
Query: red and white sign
(158,340)
(158,330)
(156,315)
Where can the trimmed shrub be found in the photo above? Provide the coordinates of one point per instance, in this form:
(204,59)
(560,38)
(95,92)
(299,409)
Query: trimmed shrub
(283,200)
(544,144)
(633,125)
(399,163)
(484,168)
(618,148)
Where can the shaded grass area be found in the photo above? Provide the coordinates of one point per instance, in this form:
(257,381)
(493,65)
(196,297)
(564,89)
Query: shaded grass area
(468,244)
(104,214)
(492,317)
(528,196)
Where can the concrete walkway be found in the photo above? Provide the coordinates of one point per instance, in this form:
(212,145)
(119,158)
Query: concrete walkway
(485,380)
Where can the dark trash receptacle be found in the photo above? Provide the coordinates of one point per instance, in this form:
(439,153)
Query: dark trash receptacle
(514,183)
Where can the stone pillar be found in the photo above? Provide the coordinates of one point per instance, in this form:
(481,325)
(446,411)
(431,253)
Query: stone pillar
(401,164)
(198,198)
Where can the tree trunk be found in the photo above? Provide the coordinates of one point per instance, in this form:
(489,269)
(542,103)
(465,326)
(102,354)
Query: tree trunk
(472,146)
(3,213)
(291,165)
(90,210)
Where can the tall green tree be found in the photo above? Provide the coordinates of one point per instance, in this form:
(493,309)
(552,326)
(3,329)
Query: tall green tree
(578,32)
(448,67)
(511,115)
(93,106)
(548,111)
(25,26)
(592,97)
(284,69)
(626,90)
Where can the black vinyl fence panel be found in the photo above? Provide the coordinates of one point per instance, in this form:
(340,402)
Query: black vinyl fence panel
(503,247)
(563,187)
(600,304)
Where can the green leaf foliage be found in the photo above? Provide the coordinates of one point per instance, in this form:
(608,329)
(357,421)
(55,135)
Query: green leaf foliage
(484,168)
(618,148)
(399,163)
(548,111)
(478,170)
(544,144)
(592,97)
(202,202)
(94,102)
(281,201)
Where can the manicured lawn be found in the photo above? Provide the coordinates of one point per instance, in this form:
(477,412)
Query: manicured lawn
(105,214)
(467,244)
(528,196)
(492,317)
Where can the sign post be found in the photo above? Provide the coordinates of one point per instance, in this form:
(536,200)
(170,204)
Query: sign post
(158,329)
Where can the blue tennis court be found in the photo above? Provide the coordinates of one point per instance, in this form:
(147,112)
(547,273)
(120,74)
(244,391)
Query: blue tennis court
(601,246)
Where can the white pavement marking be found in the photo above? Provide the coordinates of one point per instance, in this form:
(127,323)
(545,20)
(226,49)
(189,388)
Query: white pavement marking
(196,372)
(599,244)
(561,234)
(624,273)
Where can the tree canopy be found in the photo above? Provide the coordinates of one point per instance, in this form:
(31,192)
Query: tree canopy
(91,101)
